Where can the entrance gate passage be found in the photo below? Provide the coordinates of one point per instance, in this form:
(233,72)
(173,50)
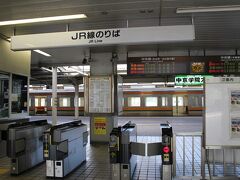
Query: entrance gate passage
(123,148)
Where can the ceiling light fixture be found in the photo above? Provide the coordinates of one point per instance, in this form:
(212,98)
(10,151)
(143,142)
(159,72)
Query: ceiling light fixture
(41,52)
(46,69)
(80,72)
(208,9)
(42,19)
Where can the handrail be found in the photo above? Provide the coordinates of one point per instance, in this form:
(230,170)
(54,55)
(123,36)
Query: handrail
(188,134)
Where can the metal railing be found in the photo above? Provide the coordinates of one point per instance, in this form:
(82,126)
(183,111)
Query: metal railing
(183,157)
(191,160)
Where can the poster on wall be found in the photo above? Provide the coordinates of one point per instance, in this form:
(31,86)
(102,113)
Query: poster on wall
(235,113)
(100,95)
(235,101)
(100,125)
(235,127)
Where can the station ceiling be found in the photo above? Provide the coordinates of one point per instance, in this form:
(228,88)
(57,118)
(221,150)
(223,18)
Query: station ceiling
(213,30)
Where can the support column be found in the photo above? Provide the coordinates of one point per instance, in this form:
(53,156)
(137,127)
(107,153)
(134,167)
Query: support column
(54,96)
(76,101)
(101,96)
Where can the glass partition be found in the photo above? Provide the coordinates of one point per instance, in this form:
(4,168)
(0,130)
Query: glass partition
(4,85)
(19,94)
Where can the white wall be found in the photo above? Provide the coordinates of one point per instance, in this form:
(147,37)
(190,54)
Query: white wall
(14,62)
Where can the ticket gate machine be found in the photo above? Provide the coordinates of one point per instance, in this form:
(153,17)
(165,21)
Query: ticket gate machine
(65,148)
(123,148)
(4,124)
(164,149)
(25,145)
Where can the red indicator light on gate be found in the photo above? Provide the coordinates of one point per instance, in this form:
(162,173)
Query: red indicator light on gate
(166,149)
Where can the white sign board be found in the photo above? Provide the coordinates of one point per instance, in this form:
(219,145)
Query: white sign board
(100,95)
(222,114)
(138,35)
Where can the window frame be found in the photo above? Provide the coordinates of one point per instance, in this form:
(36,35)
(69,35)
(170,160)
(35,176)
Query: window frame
(155,97)
(61,101)
(130,103)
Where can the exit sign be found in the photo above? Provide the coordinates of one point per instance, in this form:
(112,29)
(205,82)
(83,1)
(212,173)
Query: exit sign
(190,80)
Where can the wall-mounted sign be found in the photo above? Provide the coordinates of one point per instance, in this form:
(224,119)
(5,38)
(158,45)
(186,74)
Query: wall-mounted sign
(190,80)
(100,125)
(197,67)
(100,94)
(225,64)
(138,35)
(152,65)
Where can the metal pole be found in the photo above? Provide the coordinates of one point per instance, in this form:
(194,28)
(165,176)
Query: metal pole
(28,97)
(203,158)
(54,96)
(224,163)
(10,96)
(183,155)
(174,155)
(213,161)
(76,101)
(234,163)
(193,164)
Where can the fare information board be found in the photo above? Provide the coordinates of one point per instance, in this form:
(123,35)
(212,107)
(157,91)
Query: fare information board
(225,64)
(183,65)
(153,65)
(100,95)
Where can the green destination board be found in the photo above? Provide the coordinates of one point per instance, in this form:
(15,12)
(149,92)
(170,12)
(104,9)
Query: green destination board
(190,80)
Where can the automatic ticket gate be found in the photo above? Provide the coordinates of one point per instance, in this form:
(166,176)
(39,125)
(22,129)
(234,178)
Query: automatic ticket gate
(164,149)
(4,125)
(123,148)
(25,144)
(65,148)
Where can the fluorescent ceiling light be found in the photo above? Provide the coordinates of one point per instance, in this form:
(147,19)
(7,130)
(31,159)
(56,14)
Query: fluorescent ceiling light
(46,69)
(143,86)
(208,9)
(41,52)
(42,19)
(80,72)
(158,83)
(129,84)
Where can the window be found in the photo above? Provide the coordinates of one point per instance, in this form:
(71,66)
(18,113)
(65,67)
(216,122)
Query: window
(180,101)
(164,101)
(30,102)
(36,102)
(134,101)
(151,101)
(174,101)
(80,102)
(64,102)
(197,101)
(43,102)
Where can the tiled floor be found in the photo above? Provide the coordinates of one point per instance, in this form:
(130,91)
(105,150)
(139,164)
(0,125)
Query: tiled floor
(97,165)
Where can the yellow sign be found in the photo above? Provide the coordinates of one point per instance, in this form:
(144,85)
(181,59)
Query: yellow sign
(100,125)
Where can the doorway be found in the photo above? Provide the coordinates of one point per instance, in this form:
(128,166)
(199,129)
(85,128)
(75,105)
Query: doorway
(180,105)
